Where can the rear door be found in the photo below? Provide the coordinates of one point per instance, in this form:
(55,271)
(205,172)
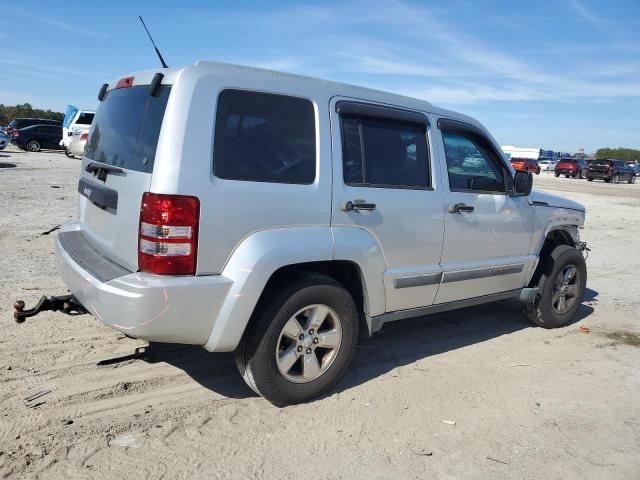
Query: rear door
(383,182)
(487,232)
(117,169)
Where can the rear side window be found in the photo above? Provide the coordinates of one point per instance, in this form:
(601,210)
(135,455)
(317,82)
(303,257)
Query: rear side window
(472,164)
(263,137)
(126,128)
(85,118)
(384,153)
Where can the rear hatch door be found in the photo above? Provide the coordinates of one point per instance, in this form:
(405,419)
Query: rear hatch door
(117,169)
(599,166)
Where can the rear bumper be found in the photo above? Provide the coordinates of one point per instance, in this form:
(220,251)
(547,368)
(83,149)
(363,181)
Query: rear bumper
(598,175)
(151,307)
(563,171)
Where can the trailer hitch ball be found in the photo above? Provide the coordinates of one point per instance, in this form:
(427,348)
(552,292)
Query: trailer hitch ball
(63,303)
(19,307)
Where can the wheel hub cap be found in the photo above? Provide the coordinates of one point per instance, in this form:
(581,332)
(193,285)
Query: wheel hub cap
(565,290)
(308,343)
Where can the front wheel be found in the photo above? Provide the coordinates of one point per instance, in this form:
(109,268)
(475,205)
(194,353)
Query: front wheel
(632,179)
(561,288)
(589,179)
(557,175)
(616,178)
(301,342)
(33,146)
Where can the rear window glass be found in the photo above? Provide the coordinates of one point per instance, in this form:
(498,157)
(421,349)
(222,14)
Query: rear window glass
(85,119)
(263,137)
(601,162)
(126,128)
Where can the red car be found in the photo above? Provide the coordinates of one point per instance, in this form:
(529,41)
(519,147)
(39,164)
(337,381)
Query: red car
(525,165)
(572,167)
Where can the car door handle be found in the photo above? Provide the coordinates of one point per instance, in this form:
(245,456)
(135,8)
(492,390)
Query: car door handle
(358,205)
(460,208)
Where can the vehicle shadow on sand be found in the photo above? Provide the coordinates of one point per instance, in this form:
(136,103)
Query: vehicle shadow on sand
(397,344)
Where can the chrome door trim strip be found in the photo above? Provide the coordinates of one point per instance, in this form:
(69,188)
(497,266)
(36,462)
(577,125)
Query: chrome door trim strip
(420,280)
(475,273)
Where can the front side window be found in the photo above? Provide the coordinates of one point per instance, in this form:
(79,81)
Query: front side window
(263,137)
(384,152)
(471,163)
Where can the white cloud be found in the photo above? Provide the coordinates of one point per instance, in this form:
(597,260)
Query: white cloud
(54,23)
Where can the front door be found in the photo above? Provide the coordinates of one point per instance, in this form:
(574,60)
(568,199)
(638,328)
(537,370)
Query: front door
(487,231)
(384,183)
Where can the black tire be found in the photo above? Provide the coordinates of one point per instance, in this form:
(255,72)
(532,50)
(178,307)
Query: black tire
(33,146)
(567,176)
(256,354)
(541,311)
(557,175)
(632,179)
(607,180)
(589,179)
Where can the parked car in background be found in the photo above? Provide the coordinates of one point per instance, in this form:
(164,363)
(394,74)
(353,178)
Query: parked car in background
(37,137)
(76,147)
(547,165)
(4,141)
(635,166)
(525,165)
(75,123)
(18,123)
(572,167)
(611,171)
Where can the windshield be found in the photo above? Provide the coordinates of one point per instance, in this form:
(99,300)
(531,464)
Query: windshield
(126,128)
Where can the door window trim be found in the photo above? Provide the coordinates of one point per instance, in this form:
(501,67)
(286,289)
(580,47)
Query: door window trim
(383,112)
(447,124)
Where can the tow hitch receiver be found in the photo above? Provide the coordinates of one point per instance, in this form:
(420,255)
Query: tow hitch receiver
(63,303)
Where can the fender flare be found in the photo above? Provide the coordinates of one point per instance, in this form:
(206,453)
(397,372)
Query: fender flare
(261,254)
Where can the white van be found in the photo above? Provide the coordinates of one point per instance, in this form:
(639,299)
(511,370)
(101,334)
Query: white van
(76,123)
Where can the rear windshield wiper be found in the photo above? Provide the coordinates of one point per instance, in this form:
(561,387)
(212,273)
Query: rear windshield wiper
(96,167)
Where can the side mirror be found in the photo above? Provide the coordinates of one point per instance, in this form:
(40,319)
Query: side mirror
(522,184)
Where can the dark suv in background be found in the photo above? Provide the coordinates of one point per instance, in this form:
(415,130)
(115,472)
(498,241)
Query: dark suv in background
(18,123)
(612,171)
(571,167)
(37,137)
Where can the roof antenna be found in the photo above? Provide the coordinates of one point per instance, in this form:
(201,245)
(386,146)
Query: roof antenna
(164,65)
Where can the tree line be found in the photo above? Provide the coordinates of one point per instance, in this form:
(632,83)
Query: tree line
(8,113)
(626,154)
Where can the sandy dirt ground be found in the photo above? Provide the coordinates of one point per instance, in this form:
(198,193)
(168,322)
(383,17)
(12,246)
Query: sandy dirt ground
(477,393)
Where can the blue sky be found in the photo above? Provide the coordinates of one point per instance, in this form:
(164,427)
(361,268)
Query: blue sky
(558,74)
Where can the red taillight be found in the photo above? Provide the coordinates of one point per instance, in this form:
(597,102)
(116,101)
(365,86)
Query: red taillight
(14,132)
(84,136)
(125,82)
(168,234)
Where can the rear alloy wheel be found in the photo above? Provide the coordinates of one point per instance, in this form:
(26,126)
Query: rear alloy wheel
(589,179)
(300,342)
(33,146)
(616,178)
(632,179)
(561,288)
